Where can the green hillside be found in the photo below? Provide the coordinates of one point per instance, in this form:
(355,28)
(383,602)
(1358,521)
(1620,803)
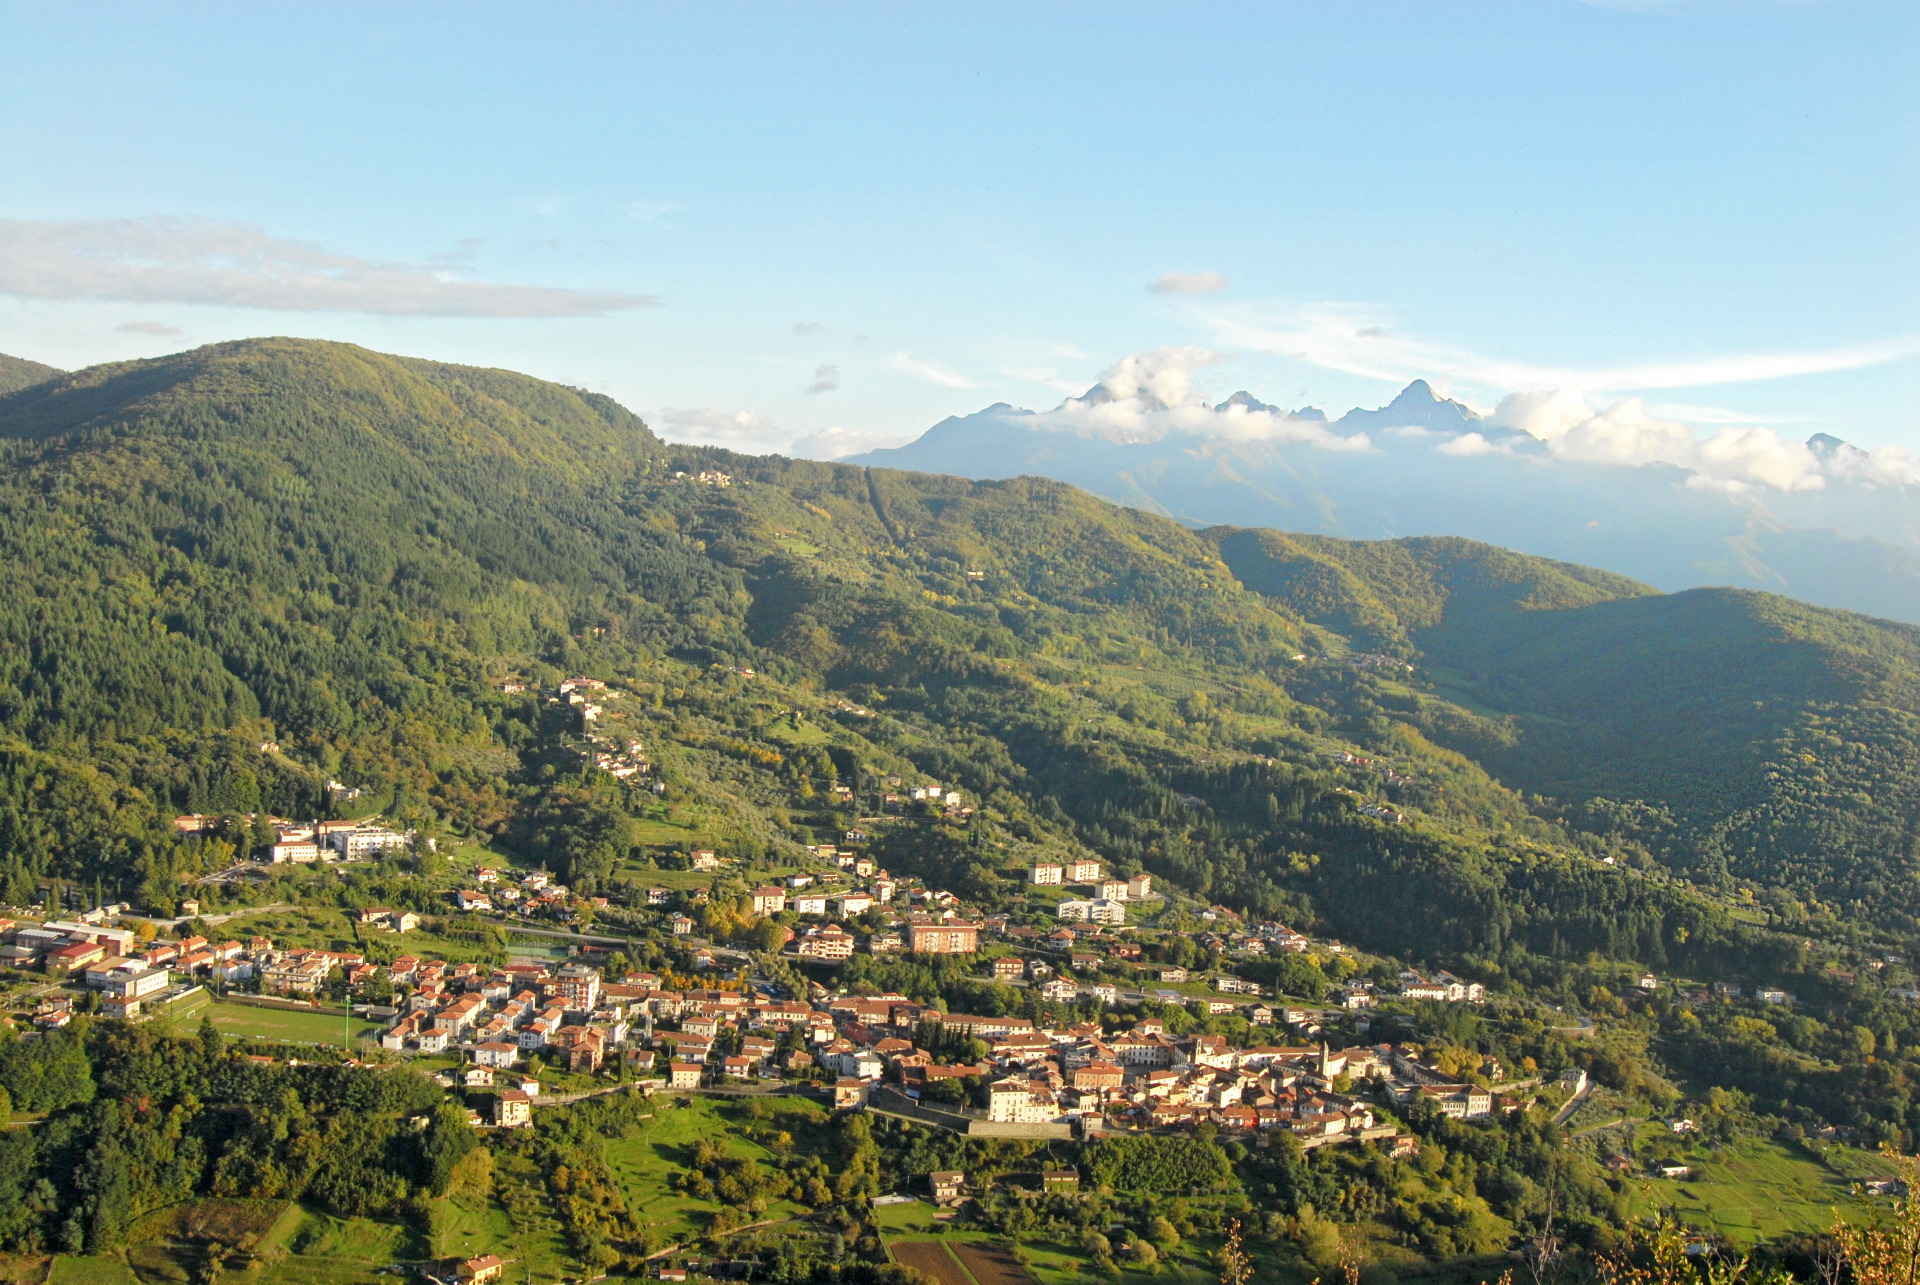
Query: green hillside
(17,373)
(1733,733)
(345,555)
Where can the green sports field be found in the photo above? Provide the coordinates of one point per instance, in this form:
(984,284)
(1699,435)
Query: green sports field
(292,1026)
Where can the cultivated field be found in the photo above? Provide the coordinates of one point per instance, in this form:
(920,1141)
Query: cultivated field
(991,1264)
(931,1259)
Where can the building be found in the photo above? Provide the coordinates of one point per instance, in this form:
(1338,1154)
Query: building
(705,859)
(1009,968)
(62,960)
(496,1053)
(1046,874)
(136,982)
(1110,889)
(849,1093)
(685,1075)
(825,943)
(1015,1100)
(1140,887)
(483,1270)
(297,851)
(954,937)
(769,899)
(1097,910)
(1083,871)
(578,986)
(949,1187)
(365,842)
(469,899)
(1461,1101)
(512,1109)
(682,926)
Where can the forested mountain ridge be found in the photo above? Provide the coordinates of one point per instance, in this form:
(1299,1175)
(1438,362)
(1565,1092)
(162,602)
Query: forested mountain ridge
(17,373)
(1735,732)
(248,569)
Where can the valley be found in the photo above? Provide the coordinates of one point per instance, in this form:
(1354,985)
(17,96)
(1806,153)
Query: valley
(911,803)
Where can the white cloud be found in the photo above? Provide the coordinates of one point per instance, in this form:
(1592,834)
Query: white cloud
(150,328)
(834,442)
(1149,397)
(1732,458)
(1189,283)
(807,327)
(932,372)
(1162,378)
(719,427)
(1714,414)
(202,261)
(1346,338)
(825,380)
(1467,444)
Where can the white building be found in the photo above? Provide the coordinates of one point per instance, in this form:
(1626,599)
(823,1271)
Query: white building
(1019,1101)
(1092,910)
(362,843)
(1045,874)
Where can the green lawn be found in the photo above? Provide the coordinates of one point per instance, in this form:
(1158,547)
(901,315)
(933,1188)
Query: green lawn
(322,1026)
(1757,1188)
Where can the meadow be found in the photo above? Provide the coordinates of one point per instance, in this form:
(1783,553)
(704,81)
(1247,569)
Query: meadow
(1756,1188)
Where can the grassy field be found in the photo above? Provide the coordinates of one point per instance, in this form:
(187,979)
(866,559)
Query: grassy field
(325,1250)
(245,1021)
(517,1222)
(92,1269)
(904,1227)
(647,1163)
(1757,1188)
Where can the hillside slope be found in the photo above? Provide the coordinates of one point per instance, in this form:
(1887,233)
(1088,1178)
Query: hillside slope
(252,568)
(1735,732)
(17,373)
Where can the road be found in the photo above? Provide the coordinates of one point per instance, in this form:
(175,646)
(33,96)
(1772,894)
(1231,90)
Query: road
(213,920)
(1574,1103)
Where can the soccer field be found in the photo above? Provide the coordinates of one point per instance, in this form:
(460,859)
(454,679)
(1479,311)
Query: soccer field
(248,1022)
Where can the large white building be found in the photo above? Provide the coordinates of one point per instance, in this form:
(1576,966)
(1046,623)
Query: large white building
(1096,910)
(1020,1101)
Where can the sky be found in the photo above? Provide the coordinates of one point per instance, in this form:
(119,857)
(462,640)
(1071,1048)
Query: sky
(817,228)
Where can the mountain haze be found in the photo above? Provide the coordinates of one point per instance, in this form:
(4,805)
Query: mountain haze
(1425,465)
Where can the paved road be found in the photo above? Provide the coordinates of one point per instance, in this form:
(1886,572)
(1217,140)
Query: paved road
(1573,1104)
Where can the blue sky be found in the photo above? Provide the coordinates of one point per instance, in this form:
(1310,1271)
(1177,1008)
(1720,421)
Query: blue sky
(815,227)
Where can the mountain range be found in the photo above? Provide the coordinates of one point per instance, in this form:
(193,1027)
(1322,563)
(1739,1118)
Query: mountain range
(241,572)
(1820,521)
